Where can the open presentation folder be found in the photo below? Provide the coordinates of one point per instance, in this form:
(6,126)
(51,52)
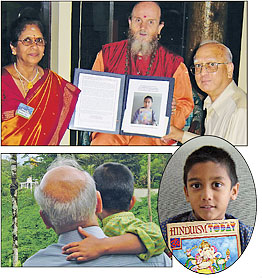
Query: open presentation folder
(205,246)
(114,103)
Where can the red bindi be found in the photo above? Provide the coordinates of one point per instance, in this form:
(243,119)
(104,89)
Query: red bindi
(144,16)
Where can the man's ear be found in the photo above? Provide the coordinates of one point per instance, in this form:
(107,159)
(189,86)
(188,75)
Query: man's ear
(186,194)
(230,70)
(132,202)
(234,191)
(46,220)
(160,27)
(129,21)
(99,204)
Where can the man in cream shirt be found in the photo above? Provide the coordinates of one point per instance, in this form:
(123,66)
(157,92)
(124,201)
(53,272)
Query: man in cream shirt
(226,103)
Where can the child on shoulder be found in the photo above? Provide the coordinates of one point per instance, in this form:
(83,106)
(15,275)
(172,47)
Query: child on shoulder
(115,183)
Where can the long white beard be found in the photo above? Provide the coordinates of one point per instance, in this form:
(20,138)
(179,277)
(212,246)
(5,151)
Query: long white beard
(144,48)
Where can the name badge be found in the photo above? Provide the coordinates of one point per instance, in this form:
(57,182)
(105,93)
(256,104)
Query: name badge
(24,111)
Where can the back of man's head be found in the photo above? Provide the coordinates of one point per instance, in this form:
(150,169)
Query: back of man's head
(115,183)
(66,194)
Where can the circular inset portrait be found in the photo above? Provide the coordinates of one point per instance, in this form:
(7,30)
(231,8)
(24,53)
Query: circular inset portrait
(207,204)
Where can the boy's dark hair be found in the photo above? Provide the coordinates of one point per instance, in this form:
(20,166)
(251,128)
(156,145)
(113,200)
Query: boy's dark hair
(115,182)
(148,97)
(213,154)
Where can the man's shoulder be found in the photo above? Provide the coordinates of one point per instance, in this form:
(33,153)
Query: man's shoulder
(169,53)
(161,260)
(46,257)
(238,95)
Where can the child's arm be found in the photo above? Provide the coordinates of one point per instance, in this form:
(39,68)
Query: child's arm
(92,247)
(148,232)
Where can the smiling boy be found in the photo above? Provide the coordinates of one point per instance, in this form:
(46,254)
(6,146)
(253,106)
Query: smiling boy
(210,182)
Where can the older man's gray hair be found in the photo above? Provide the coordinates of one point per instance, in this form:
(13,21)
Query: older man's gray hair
(73,211)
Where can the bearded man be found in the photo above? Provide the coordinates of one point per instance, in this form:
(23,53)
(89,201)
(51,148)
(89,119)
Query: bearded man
(142,54)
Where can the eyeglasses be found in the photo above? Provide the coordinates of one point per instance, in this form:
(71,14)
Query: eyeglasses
(29,41)
(210,67)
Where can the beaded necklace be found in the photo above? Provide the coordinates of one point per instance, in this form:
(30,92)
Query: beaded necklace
(30,82)
(152,59)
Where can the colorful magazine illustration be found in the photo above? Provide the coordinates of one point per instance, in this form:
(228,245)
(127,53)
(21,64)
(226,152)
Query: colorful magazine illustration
(145,117)
(205,246)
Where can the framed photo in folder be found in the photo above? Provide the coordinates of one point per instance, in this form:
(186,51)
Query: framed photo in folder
(122,104)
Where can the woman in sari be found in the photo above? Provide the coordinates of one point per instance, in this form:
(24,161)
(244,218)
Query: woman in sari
(37,104)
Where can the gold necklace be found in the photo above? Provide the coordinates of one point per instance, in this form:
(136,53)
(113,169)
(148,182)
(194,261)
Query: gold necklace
(30,82)
(22,83)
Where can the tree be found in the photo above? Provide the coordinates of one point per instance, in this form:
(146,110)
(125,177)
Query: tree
(158,164)
(13,192)
(5,177)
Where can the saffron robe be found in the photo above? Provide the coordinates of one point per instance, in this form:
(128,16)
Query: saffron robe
(112,58)
(53,100)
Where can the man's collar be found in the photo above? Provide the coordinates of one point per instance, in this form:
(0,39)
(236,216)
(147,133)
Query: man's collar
(74,235)
(221,98)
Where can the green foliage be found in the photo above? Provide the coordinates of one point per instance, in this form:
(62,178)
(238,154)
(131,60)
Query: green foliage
(5,177)
(140,209)
(32,234)
(158,164)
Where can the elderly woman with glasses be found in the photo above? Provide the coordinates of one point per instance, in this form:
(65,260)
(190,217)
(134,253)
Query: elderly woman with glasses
(37,104)
(226,103)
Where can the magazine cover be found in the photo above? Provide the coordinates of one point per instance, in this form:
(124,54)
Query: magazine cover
(144,117)
(205,246)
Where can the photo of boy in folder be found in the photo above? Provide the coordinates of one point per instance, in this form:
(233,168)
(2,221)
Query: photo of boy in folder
(145,115)
(106,101)
(205,246)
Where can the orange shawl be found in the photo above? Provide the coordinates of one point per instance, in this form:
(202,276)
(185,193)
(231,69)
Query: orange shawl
(53,100)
